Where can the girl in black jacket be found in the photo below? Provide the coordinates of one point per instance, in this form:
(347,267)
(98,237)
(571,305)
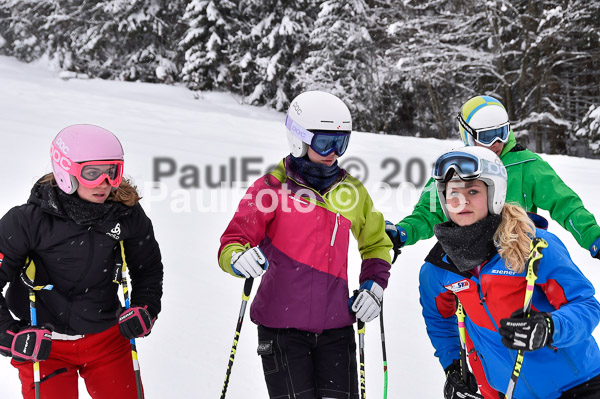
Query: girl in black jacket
(65,245)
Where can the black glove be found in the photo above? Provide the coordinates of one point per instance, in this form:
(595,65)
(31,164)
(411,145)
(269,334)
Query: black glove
(595,249)
(455,387)
(398,236)
(528,334)
(135,322)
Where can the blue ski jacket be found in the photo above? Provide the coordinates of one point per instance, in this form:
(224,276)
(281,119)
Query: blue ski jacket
(560,289)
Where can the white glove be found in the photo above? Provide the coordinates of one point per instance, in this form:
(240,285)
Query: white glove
(250,263)
(366,302)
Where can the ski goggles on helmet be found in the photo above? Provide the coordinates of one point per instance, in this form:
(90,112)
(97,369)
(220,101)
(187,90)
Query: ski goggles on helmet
(90,174)
(466,166)
(323,142)
(326,142)
(93,173)
(486,136)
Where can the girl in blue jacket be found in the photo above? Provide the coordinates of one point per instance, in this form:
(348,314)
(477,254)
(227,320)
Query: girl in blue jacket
(480,262)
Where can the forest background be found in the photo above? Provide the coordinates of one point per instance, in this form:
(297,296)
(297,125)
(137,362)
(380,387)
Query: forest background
(404,67)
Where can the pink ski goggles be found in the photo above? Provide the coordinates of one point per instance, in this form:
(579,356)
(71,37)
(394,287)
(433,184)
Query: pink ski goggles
(90,174)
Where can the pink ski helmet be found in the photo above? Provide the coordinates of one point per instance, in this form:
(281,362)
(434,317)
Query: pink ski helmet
(77,144)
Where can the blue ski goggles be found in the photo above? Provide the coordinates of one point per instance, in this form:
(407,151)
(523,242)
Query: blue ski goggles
(323,142)
(487,136)
(326,142)
(466,166)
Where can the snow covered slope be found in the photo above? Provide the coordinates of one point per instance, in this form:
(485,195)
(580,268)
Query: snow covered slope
(187,142)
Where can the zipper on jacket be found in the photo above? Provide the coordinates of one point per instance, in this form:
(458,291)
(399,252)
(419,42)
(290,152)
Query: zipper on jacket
(481,297)
(525,201)
(335,229)
(87,265)
(568,359)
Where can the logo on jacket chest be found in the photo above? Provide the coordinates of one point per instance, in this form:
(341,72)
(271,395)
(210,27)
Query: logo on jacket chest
(459,286)
(115,232)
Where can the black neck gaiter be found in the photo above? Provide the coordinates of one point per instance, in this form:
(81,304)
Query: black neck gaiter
(319,176)
(468,246)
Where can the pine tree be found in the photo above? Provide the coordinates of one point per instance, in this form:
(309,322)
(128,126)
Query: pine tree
(585,140)
(340,60)
(36,28)
(126,39)
(136,40)
(212,28)
(441,56)
(271,46)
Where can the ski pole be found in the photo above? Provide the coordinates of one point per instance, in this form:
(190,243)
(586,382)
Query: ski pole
(464,367)
(460,315)
(383,351)
(36,365)
(533,262)
(134,355)
(245,298)
(361,352)
(28,277)
(122,279)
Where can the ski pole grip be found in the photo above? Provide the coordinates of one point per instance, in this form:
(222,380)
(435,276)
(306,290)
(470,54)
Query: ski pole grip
(536,246)
(360,326)
(247,288)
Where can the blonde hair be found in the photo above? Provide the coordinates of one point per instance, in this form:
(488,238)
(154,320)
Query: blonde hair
(126,193)
(513,237)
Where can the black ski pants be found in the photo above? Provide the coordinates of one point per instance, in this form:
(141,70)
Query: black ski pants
(304,365)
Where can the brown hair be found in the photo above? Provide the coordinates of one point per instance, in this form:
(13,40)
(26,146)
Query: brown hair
(513,237)
(126,193)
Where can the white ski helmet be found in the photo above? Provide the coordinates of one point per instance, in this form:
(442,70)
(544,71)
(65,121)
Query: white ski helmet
(314,110)
(81,143)
(472,163)
(483,113)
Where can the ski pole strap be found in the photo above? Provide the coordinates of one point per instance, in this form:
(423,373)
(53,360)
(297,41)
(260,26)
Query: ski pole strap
(120,265)
(533,262)
(28,277)
(397,251)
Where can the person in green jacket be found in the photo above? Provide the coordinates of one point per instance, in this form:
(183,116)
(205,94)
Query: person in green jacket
(532,183)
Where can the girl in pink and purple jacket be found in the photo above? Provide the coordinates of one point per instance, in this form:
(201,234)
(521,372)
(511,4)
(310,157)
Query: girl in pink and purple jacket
(294,224)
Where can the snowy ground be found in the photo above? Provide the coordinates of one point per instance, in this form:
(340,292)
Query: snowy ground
(186,354)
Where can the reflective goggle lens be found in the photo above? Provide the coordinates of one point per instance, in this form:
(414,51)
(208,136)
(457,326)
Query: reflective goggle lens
(465,165)
(324,143)
(486,137)
(92,174)
(489,136)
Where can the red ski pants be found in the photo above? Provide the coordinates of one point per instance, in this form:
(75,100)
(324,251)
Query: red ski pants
(103,360)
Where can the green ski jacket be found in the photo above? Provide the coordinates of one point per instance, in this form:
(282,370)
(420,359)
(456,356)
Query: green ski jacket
(532,183)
